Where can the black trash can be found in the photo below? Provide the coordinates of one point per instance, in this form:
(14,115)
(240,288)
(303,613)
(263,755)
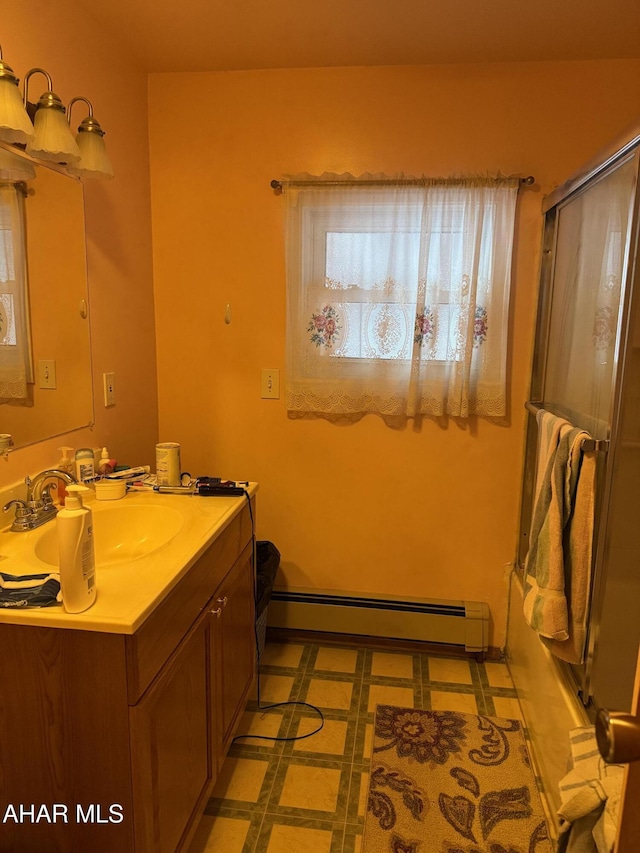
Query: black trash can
(267,563)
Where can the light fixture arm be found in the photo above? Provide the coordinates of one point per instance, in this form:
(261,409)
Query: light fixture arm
(75,100)
(88,124)
(49,85)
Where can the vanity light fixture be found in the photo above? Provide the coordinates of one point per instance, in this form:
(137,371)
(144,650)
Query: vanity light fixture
(53,140)
(94,161)
(15,124)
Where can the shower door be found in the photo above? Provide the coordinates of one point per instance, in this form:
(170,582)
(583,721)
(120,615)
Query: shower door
(582,362)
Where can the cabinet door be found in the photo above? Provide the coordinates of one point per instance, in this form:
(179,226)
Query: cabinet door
(234,651)
(171,746)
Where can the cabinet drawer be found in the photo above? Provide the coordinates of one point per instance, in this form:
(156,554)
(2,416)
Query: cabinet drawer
(152,644)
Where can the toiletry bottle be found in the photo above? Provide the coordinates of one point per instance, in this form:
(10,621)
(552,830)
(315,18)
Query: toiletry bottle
(106,465)
(85,468)
(66,464)
(76,552)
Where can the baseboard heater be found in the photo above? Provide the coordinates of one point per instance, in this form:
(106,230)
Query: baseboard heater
(459,623)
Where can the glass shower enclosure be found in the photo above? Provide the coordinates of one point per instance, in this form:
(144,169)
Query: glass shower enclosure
(586,368)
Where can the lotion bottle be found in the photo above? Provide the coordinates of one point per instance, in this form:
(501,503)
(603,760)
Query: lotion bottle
(76,552)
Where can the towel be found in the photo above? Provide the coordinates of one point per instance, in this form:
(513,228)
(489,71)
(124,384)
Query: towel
(578,563)
(29,590)
(590,798)
(546,608)
(549,428)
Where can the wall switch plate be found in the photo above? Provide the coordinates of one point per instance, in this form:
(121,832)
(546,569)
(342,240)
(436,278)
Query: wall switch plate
(109,380)
(270,384)
(47,373)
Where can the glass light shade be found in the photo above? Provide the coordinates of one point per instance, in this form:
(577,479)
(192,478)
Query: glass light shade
(53,140)
(14,168)
(15,124)
(94,161)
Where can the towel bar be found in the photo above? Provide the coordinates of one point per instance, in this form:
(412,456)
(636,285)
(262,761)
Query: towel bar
(588,445)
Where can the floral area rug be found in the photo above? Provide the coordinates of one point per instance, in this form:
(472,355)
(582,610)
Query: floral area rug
(444,782)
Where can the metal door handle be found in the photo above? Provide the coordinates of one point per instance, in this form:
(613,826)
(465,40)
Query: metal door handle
(618,736)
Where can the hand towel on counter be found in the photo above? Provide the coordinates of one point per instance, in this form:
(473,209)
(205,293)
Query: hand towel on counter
(29,590)
(546,607)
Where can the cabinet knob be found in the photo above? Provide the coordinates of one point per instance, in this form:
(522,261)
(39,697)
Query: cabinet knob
(217,612)
(223,601)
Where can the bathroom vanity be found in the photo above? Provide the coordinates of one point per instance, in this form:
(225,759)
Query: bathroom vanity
(116,721)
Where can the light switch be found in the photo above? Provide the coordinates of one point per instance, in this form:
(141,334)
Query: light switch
(47,373)
(270,384)
(109,389)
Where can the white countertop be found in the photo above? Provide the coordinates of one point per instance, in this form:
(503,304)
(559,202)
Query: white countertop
(127,592)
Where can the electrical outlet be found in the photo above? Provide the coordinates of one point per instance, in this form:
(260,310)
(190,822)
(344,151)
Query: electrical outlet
(270,384)
(47,373)
(109,389)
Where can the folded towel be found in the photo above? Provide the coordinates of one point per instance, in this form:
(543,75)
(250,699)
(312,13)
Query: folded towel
(29,590)
(545,602)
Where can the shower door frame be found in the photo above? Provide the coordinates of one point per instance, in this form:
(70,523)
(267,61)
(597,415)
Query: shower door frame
(623,150)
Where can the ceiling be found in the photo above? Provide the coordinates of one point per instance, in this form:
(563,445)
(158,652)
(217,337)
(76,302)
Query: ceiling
(218,35)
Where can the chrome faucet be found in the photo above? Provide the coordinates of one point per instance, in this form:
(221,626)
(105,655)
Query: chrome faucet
(39,507)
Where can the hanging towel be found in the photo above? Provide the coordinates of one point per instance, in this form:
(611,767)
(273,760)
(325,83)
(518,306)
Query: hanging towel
(545,602)
(549,427)
(29,590)
(578,558)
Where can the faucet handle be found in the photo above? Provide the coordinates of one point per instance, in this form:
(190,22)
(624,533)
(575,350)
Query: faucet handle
(22,510)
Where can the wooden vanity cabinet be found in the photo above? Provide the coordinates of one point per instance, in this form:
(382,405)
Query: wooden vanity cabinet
(140,721)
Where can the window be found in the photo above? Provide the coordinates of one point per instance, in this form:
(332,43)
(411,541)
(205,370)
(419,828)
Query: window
(398,298)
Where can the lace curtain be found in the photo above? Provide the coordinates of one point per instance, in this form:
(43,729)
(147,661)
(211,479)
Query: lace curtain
(398,298)
(15,349)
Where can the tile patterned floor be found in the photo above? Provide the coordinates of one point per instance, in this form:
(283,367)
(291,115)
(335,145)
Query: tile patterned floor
(308,796)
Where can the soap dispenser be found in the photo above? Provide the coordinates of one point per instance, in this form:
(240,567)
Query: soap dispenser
(76,552)
(66,464)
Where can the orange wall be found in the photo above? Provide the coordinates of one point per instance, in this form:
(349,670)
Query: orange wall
(423,512)
(83,60)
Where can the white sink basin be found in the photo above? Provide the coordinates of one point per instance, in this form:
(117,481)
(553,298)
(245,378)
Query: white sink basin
(121,533)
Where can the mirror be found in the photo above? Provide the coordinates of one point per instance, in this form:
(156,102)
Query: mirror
(51,335)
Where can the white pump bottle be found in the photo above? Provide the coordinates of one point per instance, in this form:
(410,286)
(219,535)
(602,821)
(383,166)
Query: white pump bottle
(76,552)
